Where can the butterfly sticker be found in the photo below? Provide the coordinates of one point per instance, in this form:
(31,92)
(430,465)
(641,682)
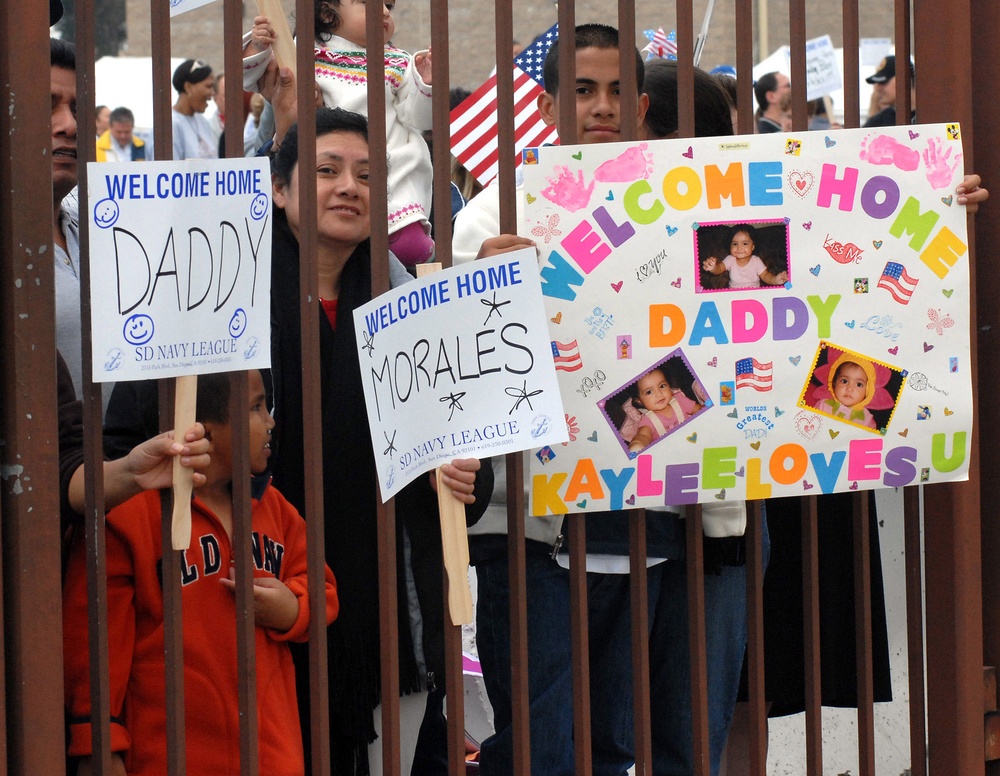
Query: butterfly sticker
(548,231)
(939,322)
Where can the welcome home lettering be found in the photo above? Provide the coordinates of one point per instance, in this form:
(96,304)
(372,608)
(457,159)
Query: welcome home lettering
(757,185)
(471,354)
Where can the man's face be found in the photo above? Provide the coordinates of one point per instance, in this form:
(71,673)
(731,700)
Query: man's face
(63,88)
(121,131)
(598,101)
(784,85)
(886,93)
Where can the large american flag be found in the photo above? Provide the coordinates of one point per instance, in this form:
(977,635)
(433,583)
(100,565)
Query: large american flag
(474,121)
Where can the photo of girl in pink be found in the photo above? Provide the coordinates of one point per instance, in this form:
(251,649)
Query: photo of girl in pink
(655,403)
(850,387)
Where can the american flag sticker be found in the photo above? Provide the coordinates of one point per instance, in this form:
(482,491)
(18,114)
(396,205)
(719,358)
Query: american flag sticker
(895,280)
(751,373)
(567,356)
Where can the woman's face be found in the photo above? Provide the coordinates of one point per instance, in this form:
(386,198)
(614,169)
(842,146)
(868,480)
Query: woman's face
(200,93)
(341,191)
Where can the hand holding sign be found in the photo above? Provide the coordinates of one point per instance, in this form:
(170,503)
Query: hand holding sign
(284,44)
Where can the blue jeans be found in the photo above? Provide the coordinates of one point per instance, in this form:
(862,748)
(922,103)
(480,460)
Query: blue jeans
(669,662)
(550,681)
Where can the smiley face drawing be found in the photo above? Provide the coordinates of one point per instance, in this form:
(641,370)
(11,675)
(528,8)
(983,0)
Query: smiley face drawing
(138,329)
(258,208)
(106,213)
(238,323)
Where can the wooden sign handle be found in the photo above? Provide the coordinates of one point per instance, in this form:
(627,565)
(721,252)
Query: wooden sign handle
(185,400)
(454,535)
(284,44)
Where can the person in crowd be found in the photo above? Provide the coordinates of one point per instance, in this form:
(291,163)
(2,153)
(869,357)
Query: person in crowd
(477,233)
(136,611)
(768,90)
(118,144)
(102,119)
(193,135)
(883,82)
(341,75)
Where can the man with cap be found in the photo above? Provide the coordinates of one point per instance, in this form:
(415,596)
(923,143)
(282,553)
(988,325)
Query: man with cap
(884,82)
(193,135)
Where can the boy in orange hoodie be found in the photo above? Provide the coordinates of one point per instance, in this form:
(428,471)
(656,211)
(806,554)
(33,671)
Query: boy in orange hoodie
(135,615)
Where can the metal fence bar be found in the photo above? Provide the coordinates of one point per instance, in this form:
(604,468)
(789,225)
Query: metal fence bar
(863,634)
(30,529)
(810,618)
(697,641)
(915,631)
(754,539)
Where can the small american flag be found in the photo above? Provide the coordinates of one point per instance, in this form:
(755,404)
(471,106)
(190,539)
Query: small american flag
(661,45)
(474,121)
(751,373)
(567,356)
(895,280)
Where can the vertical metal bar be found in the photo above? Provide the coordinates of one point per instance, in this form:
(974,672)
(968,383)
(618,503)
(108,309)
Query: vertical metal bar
(30,527)
(386,513)
(685,68)
(97,600)
(696,640)
(246,637)
(172,612)
(987,232)
(797,44)
(952,512)
(863,634)
(810,619)
(576,528)
(744,65)
(312,439)
(626,66)
(852,88)
(915,631)
(639,596)
(453,678)
(755,638)
(904,82)
(517,564)
(232,11)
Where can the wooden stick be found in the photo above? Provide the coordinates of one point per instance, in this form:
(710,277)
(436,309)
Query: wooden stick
(454,535)
(284,44)
(184,412)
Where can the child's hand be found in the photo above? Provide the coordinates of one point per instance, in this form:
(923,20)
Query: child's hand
(274,605)
(494,246)
(422,61)
(460,476)
(151,463)
(781,278)
(709,264)
(261,35)
(970,193)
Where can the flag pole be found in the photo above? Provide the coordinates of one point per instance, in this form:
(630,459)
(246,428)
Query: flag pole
(699,44)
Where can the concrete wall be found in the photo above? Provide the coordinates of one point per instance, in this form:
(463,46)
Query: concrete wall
(198,33)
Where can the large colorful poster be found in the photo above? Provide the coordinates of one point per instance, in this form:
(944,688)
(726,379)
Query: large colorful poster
(753,316)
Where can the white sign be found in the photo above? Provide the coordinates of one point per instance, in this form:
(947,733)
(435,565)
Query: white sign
(177,7)
(459,364)
(180,258)
(873,50)
(822,72)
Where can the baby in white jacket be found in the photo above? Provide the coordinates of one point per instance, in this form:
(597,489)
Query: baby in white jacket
(342,76)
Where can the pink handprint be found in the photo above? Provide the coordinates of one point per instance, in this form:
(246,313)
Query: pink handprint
(636,162)
(939,171)
(568,192)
